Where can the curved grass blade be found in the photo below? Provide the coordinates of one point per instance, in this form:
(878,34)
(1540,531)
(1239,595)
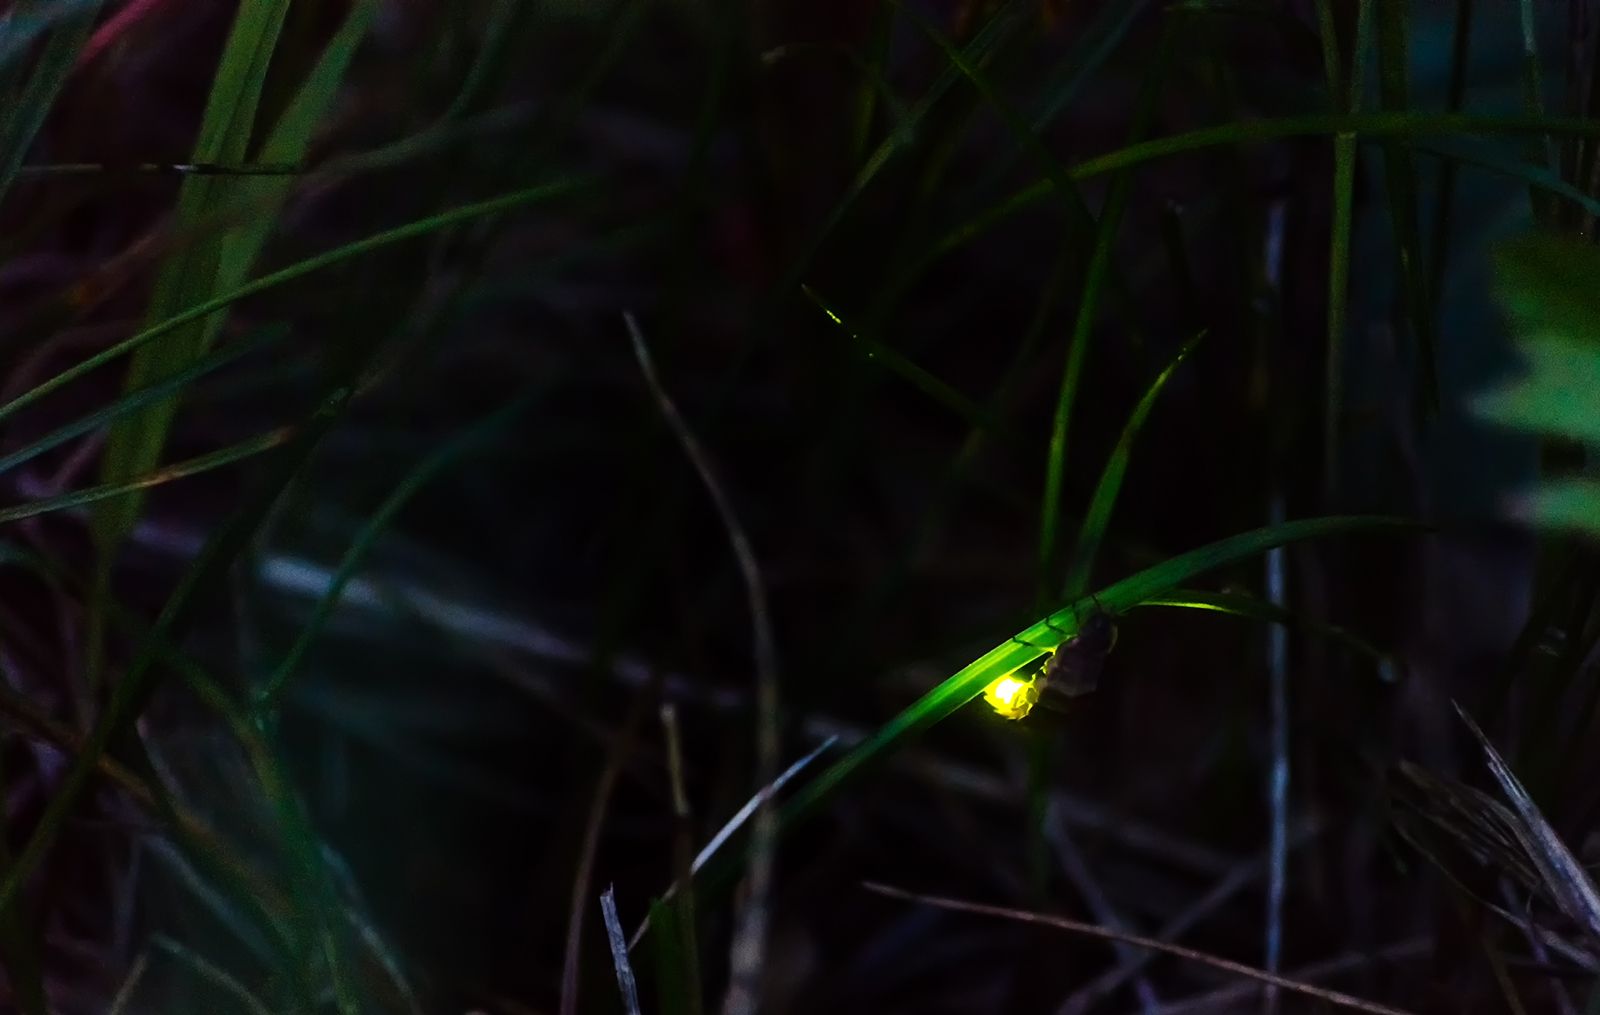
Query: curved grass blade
(1251,608)
(1397,124)
(388,237)
(270,693)
(22,114)
(212,974)
(1452,153)
(966,684)
(1088,312)
(135,400)
(1095,522)
(178,470)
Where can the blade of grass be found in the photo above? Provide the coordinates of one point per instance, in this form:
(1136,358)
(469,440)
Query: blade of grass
(219,263)
(619,952)
(879,37)
(1400,172)
(22,114)
(411,230)
(212,974)
(134,401)
(1095,522)
(680,940)
(909,371)
(1106,229)
(1347,95)
(1377,125)
(270,694)
(1078,927)
(749,944)
(1542,149)
(19,945)
(1460,61)
(167,474)
(1251,608)
(1457,153)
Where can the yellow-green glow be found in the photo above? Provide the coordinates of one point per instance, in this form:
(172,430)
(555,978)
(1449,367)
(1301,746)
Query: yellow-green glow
(1011,697)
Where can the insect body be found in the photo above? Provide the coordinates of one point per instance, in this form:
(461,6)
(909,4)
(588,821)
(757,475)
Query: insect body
(1073,670)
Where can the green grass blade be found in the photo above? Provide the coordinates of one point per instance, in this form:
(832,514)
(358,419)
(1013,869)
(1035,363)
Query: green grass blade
(1452,153)
(1346,94)
(168,474)
(1392,124)
(217,263)
(677,974)
(1094,281)
(300,269)
(1400,172)
(22,114)
(1533,100)
(1456,93)
(1098,518)
(213,974)
(133,401)
(916,376)
(1251,608)
(270,693)
(969,682)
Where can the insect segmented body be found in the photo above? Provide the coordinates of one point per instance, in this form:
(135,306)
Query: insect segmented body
(1074,668)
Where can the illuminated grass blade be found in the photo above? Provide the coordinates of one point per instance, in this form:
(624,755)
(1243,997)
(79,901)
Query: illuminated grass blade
(969,682)
(411,230)
(271,692)
(1098,518)
(213,974)
(176,471)
(22,111)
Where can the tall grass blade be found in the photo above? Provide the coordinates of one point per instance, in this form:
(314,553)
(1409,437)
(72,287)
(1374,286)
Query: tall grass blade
(159,477)
(218,263)
(1095,277)
(1092,533)
(1400,172)
(1252,608)
(23,111)
(1460,61)
(1346,93)
(270,694)
(619,952)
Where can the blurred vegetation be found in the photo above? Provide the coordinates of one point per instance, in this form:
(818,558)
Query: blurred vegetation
(373,597)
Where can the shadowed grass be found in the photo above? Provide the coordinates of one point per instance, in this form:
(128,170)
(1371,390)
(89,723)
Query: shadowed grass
(66,27)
